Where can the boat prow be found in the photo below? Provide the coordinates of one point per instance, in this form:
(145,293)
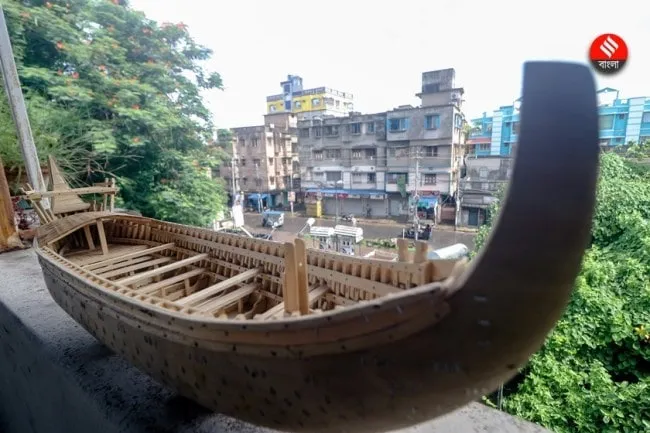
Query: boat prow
(305,340)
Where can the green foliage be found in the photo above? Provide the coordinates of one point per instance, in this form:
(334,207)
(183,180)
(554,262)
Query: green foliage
(121,94)
(593,372)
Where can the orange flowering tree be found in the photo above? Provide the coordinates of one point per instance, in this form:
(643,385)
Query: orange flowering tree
(133,89)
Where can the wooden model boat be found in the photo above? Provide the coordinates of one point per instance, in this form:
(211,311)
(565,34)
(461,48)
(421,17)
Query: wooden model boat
(305,340)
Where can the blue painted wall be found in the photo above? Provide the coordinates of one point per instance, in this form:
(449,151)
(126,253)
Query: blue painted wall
(613,120)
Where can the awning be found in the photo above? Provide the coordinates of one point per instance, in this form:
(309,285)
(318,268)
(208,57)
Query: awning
(428,202)
(256,196)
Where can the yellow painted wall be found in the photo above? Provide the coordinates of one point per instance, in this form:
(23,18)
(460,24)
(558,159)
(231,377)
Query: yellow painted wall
(305,104)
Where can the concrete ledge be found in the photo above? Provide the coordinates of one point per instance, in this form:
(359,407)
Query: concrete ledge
(56,378)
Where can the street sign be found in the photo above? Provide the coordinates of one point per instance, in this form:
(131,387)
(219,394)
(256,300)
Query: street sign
(292,196)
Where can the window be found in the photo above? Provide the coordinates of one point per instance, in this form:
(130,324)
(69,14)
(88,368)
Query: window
(273,108)
(329,101)
(356,154)
(333,154)
(606,122)
(621,116)
(258,182)
(287,88)
(287,105)
(363,178)
(242,141)
(298,105)
(256,162)
(370,154)
(646,117)
(331,130)
(254,142)
(429,179)
(396,125)
(272,180)
(483,173)
(318,155)
(394,177)
(304,132)
(400,152)
(333,176)
(458,120)
(515,128)
(370,128)
(270,161)
(286,180)
(484,146)
(244,180)
(318,132)
(295,166)
(269,142)
(431,151)
(432,121)
(242,162)
(355,128)
(315,102)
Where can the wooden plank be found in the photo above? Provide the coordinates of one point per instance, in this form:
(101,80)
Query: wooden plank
(290,286)
(379,289)
(89,238)
(154,287)
(149,274)
(218,288)
(120,265)
(145,252)
(402,250)
(421,249)
(314,295)
(301,273)
(102,236)
(228,300)
(134,267)
(65,193)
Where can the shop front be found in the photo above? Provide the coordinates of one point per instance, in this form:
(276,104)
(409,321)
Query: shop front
(360,203)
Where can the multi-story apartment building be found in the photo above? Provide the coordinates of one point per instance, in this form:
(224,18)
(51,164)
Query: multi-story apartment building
(493,138)
(377,162)
(344,160)
(425,146)
(265,161)
(309,103)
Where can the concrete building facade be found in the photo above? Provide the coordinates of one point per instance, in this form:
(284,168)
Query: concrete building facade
(309,103)
(387,164)
(265,161)
(492,140)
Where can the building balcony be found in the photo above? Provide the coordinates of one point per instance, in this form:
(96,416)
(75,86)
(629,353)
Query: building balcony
(392,187)
(364,185)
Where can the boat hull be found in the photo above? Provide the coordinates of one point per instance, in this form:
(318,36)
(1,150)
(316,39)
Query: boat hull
(378,389)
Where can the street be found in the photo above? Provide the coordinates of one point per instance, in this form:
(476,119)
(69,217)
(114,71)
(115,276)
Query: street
(439,237)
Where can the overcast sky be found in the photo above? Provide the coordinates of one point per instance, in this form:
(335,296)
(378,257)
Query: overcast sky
(378,50)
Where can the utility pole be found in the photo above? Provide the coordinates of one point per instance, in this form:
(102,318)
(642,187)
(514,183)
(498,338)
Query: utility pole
(416,197)
(259,190)
(18,110)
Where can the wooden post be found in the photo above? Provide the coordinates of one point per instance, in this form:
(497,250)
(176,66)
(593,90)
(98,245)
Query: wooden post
(303,281)
(9,237)
(19,111)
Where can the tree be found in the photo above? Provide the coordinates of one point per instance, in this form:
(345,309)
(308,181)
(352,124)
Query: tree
(134,86)
(593,372)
